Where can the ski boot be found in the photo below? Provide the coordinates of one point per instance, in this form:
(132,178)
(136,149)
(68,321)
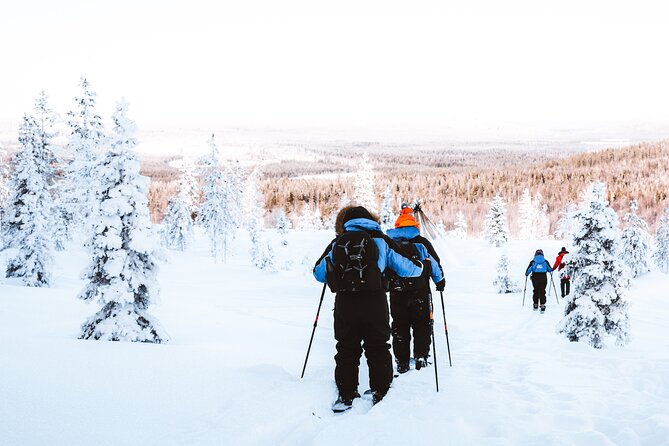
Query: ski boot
(420,363)
(402,367)
(344,403)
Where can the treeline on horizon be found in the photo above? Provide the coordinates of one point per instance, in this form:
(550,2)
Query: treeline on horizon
(450,181)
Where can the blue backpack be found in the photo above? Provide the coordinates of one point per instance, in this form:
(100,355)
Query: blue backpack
(539,264)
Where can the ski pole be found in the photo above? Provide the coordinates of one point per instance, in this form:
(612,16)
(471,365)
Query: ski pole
(554,289)
(443,311)
(434,345)
(525,288)
(313,331)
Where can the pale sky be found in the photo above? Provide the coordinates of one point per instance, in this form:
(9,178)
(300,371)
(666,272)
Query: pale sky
(308,62)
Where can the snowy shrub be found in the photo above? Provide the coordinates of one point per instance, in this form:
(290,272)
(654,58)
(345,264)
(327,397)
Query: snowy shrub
(503,282)
(597,306)
(661,255)
(635,243)
(495,229)
(122,274)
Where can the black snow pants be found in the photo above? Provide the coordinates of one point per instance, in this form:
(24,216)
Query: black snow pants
(361,321)
(539,282)
(410,310)
(564,287)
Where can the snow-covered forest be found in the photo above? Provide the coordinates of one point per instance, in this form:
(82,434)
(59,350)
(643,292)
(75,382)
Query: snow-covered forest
(223,280)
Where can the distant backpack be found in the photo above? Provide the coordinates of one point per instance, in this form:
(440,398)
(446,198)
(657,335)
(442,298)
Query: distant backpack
(398,283)
(539,267)
(354,265)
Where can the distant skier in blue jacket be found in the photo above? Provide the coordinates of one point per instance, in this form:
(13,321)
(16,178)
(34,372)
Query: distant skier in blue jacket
(353,265)
(539,267)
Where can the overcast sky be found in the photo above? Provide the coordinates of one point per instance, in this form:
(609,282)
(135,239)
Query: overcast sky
(339,62)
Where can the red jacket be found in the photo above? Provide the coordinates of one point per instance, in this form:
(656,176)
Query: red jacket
(559,264)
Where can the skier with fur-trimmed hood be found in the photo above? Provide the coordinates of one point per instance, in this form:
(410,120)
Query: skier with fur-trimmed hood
(539,268)
(352,265)
(410,299)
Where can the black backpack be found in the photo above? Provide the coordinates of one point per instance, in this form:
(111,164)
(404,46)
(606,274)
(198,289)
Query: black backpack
(397,283)
(354,265)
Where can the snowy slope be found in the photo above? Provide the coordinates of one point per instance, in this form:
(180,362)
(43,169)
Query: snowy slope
(239,336)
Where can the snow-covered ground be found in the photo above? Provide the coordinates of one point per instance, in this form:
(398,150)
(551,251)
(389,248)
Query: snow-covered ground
(231,374)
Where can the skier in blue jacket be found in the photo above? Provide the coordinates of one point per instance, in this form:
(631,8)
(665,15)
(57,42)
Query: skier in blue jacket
(410,299)
(361,318)
(539,267)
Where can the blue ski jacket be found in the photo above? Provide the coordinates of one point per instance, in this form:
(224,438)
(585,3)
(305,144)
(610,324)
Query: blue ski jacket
(409,233)
(388,258)
(538,265)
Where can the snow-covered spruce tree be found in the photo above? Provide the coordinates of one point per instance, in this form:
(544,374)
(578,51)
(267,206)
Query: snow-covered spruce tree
(29,222)
(661,254)
(635,243)
(343,202)
(189,186)
(237,178)
(597,305)
(460,230)
(122,274)
(177,231)
(526,229)
(5,193)
(387,215)
(309,219)
(541,221)
(45,119)
(495,229)
(217,211)
(177,224)
(283,225)
(363,186)
(441,228)
(262,255)
(77,190)
(566,224)
(503,282)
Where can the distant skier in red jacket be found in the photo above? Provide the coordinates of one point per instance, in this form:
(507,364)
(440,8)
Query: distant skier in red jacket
(565,269)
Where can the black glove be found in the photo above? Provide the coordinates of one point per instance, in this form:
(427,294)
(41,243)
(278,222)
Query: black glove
(440,285)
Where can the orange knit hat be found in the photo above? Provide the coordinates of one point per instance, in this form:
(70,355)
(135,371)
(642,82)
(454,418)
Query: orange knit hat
(406,219)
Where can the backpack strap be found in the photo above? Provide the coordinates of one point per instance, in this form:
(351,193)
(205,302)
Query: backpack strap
(430,249)
(327,251)
(392,244)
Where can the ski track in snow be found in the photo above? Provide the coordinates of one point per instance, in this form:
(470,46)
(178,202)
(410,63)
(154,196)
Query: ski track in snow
(231,374)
